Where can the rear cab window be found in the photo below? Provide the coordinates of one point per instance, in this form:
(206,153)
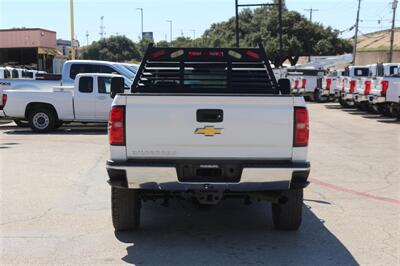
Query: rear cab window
(361,72)
(104,85)
(86,85)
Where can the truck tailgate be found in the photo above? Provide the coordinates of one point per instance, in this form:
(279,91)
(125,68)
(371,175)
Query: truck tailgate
(254,127)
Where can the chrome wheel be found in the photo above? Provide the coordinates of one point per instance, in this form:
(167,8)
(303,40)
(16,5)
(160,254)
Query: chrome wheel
(41,121)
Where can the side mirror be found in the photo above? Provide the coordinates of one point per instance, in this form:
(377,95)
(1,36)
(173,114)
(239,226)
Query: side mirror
(284,86)
(117,86)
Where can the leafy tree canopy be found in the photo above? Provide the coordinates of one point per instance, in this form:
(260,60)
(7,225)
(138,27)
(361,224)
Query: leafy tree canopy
(300,37)
(114,48)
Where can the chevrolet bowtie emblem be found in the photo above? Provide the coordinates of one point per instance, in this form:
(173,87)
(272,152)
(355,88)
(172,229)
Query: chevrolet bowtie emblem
(208,131)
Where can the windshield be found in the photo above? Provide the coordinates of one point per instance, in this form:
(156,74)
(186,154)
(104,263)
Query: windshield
(125,72)
(131,68)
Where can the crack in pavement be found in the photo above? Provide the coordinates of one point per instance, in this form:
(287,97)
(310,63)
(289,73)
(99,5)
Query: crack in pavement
(28,219)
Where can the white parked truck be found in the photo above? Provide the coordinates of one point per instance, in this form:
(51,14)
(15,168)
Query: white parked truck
(368,84)
(307,83)
(70,70)
(207,124)
(385,95)
(330,85)
(354,77)
(88,101)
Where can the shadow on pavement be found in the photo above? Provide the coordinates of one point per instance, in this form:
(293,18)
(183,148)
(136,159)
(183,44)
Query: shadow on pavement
(69,129)
(229,234)
(389,121)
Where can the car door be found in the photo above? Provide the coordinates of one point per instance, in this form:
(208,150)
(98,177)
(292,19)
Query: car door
(84,100)
(103,99)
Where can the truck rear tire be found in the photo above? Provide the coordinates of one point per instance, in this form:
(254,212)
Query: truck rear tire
(125,209)
(42,120)
(288,216)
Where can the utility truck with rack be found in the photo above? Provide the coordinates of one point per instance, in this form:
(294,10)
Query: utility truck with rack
(207,124)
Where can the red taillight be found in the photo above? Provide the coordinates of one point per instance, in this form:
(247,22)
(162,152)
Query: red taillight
(296,84)
(116,126)
(301,127)
(253,54)
(303,83)
(4,99)
(352,85)
(385,87)
(158,53)
(367,89)
(328,84)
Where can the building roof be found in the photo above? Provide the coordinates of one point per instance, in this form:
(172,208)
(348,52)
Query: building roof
(378,41)
(26,29)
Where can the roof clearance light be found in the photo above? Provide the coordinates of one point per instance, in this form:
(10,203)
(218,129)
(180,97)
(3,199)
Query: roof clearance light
(217,54)
(235,54)
(253,54)
(193,53)
(177,54)
(157,54)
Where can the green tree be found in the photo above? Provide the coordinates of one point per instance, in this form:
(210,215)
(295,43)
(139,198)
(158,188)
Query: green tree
(300,37)
(114,48)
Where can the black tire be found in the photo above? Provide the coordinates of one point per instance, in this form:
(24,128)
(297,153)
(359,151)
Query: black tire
(58,124)
(21,123)
(318,98)
(343,103)
(288,216)
(125,209)
(361,106)
(42,120)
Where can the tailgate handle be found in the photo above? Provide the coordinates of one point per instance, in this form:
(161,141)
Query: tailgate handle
(210,115)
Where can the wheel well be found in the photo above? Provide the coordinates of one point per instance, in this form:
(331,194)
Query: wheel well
(36,105)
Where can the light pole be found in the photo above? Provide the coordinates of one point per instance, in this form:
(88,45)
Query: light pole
(141,16)
(194,34)
(170,30)
(71,6)
(356,33)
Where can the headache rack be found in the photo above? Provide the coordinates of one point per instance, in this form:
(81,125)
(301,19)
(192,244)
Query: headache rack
(205,70)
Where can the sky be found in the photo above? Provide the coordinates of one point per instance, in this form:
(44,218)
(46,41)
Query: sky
(189,17)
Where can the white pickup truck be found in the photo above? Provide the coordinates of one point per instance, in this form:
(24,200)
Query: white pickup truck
(385,95)
(207,124)
(70,70)
(308,83)
(88,101)
(330,86)
(354,77)
(368,84)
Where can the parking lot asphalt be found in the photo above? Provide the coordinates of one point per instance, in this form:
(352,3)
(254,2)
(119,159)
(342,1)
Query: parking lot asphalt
(55,204)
